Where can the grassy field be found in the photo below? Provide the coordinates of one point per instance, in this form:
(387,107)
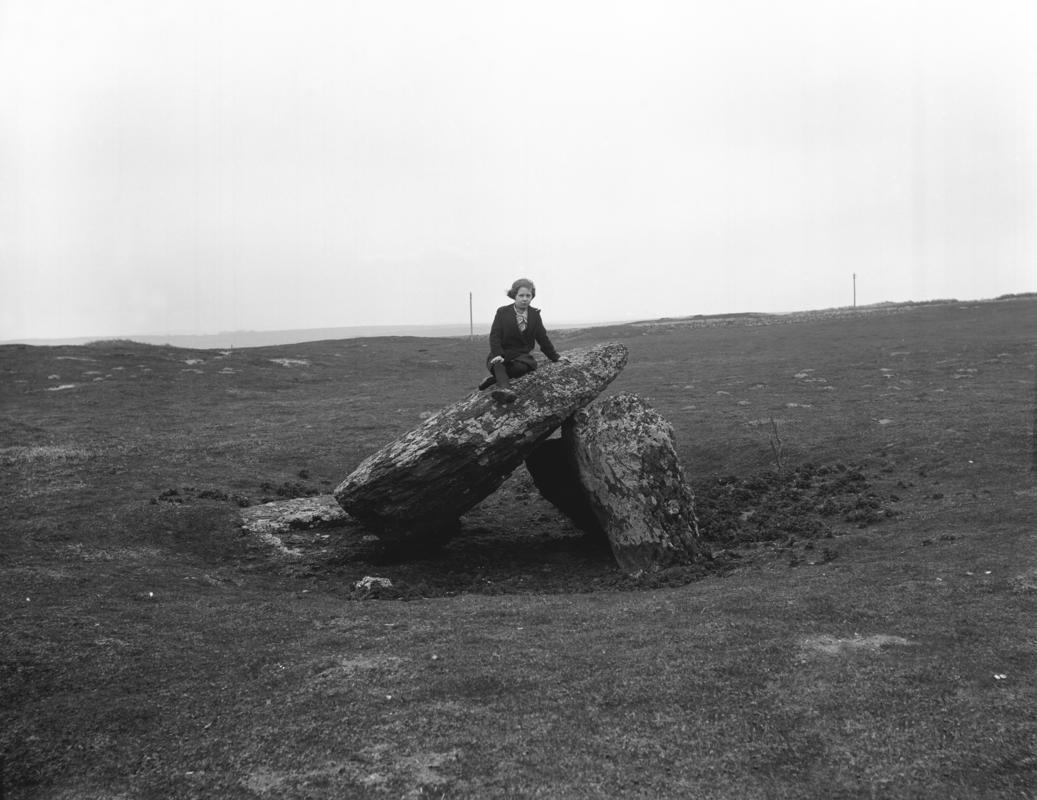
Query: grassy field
(874,639)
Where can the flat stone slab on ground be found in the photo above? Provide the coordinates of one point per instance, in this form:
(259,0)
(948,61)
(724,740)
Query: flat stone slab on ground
(309,530)
(301,513)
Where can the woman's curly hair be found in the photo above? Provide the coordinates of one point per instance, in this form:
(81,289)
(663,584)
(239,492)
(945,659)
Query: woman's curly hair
(519,284)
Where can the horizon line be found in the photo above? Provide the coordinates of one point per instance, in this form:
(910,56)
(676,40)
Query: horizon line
(457,329)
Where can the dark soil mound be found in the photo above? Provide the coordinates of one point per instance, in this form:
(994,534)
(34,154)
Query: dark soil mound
(775,506)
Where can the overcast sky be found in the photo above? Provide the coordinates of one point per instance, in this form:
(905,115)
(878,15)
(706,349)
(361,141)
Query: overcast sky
(211,165)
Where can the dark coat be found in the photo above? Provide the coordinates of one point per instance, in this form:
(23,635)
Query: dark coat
(507,341)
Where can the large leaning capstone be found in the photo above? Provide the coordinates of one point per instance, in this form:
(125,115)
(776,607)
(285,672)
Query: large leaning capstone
(419,485)
(629,469)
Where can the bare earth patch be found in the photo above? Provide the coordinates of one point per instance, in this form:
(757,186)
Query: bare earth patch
(376,768)
(834,646)
(343,668)
(1026,581)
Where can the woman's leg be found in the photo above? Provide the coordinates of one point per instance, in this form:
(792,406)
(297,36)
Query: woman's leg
(502,372)
(517,368)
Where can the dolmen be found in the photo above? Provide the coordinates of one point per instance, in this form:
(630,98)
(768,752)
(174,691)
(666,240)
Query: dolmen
(614,470)
(421,484)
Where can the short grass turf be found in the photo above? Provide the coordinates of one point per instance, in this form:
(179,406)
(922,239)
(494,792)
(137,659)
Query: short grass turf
(865,628)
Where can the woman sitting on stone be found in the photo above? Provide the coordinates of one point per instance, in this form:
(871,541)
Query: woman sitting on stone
(516,329)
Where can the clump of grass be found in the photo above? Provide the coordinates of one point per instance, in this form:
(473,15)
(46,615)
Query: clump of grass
(189,493)
(287,490)
(777,446)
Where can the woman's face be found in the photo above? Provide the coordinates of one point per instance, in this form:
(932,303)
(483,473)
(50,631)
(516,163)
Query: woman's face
(523,298)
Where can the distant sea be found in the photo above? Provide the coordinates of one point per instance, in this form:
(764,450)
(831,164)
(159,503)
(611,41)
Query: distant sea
(229,339)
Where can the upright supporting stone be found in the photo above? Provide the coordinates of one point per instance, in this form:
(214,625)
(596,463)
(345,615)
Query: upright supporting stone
(552,466)
(418,486)
(629,468)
